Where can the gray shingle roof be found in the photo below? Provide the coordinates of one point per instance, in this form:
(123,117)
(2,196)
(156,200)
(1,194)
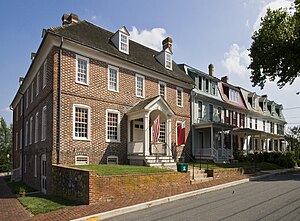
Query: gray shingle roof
(142,104)
(98,38)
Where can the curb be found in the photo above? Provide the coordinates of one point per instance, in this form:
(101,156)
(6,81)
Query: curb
(133,208)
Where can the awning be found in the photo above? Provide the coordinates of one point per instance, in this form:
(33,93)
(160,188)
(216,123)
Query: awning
(248,131)
(214,125)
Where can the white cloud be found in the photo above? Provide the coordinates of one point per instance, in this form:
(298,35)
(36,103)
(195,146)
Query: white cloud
(151,38)
(247,23)
(236,61)
(273,5)
(94,17)
(6,109)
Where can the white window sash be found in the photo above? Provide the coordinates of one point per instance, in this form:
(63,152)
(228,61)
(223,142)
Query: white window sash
(118,125)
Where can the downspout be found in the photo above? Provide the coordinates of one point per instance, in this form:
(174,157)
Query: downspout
(58,102)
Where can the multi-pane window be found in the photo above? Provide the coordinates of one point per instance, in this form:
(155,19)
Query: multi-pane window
(213,87)
(16,139)
(45,74)
(264,125)
(227,120)
(27,99)
(272,127)
(206,85)
(32,87)
(168,60)
(200,83)
(211,112)
(26,134)
(220,114)
(21,138)
(233,95)
(38,84)
(36,127)
(234,118)
(140,86)
(81,122)
(30,130)
(112,126)
(250,121)
(124,43)
(44,123)
(256,124)
(162,132)
(242,120)
(113,78)
(179,97)
(162,89)
(82,65)
(200,110)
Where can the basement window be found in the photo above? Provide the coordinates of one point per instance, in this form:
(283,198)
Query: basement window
(81,160)
(112,160)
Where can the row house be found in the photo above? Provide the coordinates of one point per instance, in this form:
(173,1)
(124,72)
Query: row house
(265,128)
(91,96)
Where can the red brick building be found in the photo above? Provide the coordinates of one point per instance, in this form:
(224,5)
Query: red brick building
(91,96)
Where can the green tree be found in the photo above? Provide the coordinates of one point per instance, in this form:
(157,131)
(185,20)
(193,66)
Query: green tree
(5,146)
(293,138)
(275,50)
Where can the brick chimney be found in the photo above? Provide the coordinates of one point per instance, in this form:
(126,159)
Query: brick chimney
(167,43)
(211,70)
(69,19)
(224,79)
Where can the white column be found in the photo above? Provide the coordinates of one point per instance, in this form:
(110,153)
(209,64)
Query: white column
(260,144)
(212,140)
(252,142)
(222,141)
(146,134)
(267,142)
(169,137)
(247,144)
(231,143)
(128,136)
(278,145)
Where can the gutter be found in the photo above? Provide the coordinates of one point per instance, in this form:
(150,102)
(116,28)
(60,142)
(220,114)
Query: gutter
(58,102)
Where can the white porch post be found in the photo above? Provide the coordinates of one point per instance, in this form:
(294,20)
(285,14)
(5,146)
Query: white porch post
(278,145)
(231,143)
(128,135)
(252,142)
(267,143)
(247,137)
(146,134)
(260,142)
(169,137)
(211,140)
(222,141)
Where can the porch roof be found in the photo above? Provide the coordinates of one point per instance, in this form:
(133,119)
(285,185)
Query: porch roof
(214,125)
(250,131)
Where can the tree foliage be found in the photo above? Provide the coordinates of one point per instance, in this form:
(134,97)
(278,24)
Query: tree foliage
(275,50)
(293,138)
(5,146)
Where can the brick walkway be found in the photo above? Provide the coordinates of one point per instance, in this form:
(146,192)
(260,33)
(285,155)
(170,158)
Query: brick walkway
(86,210)
(10,208)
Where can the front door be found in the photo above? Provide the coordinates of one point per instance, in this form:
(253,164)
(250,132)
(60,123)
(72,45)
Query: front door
(43,174)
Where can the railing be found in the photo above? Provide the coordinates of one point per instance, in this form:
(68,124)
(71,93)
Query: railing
(135,147)
(159,148)
(215,153)
(227,153)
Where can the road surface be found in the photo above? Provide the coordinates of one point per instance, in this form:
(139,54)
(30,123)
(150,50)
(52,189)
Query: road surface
(272,198)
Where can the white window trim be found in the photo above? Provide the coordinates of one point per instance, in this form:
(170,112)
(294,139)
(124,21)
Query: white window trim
(118,128)
(16,139)
(165,85)
(37,84)
(89,122)
(36,128)
(44,125)
(166,55)
(35,165)
(136,77)
(179,89)
(76,158)
(45,74)
(21,138)
(87,69)
(30,130)
(112,158)
(108,73)
(127,43)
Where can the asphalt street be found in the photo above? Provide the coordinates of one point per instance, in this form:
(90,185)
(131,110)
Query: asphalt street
(272,198)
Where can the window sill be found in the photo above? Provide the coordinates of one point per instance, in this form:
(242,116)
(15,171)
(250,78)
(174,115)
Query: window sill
(81,139)
(81,83)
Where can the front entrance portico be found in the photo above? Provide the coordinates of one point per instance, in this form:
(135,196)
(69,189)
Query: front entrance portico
(141,150)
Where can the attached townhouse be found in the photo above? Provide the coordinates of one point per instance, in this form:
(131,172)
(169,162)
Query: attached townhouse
(92,96)
(265,125)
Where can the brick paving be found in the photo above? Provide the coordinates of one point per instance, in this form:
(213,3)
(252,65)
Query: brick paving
(10,207)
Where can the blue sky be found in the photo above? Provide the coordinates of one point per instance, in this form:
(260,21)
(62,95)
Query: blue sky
(203,32)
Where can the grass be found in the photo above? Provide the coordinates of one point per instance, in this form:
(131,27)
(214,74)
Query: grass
(39,203)
(108,170)
(260,165)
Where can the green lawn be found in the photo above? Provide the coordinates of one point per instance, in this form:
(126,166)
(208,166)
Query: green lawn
(261,165)
(39,203)
(108,170)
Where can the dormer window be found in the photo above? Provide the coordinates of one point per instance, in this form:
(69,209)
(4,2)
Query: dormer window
(121,40)
(124,43)
(168,60)
(233,95)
